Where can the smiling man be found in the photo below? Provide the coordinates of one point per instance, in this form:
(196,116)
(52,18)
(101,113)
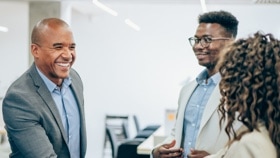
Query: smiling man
(197,132)
(43,109)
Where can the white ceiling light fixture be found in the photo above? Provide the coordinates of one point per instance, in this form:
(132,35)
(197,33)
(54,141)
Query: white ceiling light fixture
(3,29)
(203,6)
(132,24)
(105,8)
(266,1)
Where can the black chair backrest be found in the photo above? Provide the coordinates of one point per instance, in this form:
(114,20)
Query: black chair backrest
(125,129)
(128,148)
(136,122)
(113,140)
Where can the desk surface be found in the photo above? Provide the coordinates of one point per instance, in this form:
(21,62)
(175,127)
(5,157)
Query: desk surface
(146,147)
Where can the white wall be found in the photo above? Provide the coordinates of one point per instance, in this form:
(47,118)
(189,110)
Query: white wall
(132,72)
(129,72)
(142,72)
(13,44)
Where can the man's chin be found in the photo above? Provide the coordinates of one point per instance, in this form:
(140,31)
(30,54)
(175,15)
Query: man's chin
(63,75)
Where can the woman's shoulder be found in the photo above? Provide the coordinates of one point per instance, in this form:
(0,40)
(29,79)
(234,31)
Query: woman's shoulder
(257,143)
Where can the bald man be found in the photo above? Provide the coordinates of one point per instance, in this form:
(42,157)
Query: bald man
(43,109)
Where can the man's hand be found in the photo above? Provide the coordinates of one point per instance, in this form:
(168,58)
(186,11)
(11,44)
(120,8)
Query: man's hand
(165,151)
(197,153)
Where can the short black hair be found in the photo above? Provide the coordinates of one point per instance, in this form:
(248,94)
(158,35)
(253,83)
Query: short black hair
(224,18)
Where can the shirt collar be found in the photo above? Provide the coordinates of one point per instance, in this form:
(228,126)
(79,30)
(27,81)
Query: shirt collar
(203,75)
(52,86)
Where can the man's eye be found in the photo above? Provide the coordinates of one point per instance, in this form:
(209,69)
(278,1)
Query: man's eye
(58,47)
(72,47)
(196,40)
(207,39)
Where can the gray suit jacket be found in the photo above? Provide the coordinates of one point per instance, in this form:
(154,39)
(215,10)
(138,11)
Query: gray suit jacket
(32,120)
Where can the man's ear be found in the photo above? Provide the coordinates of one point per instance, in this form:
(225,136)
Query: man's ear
(35,50)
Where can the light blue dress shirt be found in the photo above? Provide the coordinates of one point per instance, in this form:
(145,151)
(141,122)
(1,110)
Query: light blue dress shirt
(69,112)
(195,108)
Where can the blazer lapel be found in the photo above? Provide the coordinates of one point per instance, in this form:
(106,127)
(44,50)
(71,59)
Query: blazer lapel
(210,108)
(47,98)
(183,100)
(77,88)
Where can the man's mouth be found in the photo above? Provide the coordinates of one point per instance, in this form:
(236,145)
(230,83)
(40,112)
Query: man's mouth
(64,64)
(202,53)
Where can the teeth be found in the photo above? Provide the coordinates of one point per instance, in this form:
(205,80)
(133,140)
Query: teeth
(202,54)
(63,64)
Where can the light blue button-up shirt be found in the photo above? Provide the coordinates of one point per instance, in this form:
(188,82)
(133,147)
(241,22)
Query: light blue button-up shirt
(195,107)
(68,110)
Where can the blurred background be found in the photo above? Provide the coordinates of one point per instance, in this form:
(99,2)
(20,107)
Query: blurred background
(133,55)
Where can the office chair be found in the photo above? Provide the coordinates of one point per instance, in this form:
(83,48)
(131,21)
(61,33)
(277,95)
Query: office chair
(119,123)
(147,131)
(128,148)
(123,149)
(125,129)
(116,131)
(111,135)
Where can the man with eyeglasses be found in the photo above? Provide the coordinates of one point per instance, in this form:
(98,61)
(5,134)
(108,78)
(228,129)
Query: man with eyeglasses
(197,132)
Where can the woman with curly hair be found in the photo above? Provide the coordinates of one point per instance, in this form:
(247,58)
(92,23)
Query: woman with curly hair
(250,88)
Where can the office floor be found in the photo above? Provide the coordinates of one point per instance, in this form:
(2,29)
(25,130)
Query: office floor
(4,149)
(4,152)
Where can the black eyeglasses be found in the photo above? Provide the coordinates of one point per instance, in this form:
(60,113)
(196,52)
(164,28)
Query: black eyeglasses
(204,41)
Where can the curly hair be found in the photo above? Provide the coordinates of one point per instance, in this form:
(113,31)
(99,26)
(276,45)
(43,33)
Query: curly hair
(250,85)
(224,18)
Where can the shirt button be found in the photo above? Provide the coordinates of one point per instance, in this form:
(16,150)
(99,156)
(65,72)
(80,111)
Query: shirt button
(197,106)
(189,143)
(205,89)
(193,124)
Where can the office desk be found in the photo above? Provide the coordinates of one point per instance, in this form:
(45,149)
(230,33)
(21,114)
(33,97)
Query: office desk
(145,148)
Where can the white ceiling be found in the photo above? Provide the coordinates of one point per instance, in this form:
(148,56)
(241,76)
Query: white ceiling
(172,1)
(87,7)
